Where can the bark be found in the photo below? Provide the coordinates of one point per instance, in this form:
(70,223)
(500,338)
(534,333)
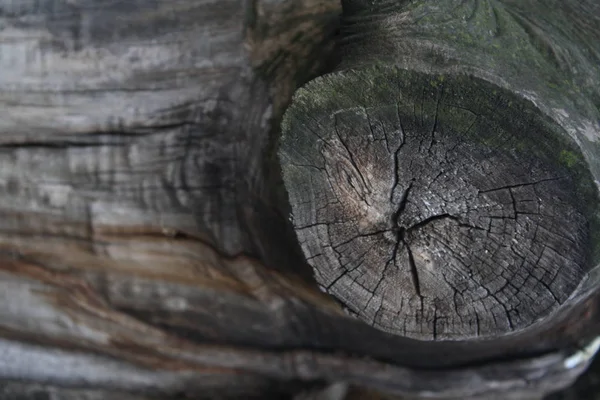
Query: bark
(145,249)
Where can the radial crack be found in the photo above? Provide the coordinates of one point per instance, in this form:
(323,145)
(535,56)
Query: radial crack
(413,269)
(401,206)
(524,184)
(396,163)
(430,220)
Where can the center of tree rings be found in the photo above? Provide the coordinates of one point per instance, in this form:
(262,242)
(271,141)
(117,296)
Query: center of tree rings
(435,207)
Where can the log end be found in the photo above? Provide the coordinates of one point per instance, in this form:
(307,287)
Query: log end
(437,207)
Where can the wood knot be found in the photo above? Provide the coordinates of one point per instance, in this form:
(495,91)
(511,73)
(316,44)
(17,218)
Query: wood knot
(436,208)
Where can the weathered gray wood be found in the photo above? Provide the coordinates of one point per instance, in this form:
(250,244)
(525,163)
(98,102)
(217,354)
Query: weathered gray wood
(132,150)
(136,109)
(546,51)
(452,128)
(143,248)
(436,207)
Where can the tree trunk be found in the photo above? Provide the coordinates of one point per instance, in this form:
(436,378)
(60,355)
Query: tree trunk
(146,250)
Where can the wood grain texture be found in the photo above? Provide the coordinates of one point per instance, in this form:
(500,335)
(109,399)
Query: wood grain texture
(144,249)
(133,137)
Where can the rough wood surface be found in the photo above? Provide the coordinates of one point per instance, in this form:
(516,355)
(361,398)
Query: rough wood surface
(144,253)
(546,51)
(433,207)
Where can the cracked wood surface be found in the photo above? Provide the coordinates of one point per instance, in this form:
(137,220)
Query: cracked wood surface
(430,224)
(458,200)
(143,254)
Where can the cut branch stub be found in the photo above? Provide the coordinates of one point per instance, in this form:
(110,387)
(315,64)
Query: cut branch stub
(436,206)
